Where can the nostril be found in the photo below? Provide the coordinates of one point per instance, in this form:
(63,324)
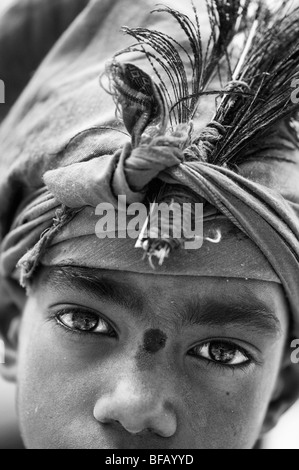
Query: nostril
(129,429)
(108,421)
(142,433)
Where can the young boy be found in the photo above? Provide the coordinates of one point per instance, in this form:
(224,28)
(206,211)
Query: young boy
(107,352)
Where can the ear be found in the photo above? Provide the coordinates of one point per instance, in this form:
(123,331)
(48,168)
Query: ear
(13,300)
(286,392)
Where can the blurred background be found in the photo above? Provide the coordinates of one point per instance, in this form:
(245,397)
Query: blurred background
(4,4)
(286,435)
(9,434)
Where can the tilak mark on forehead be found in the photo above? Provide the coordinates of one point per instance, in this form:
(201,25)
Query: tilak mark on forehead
(154,341)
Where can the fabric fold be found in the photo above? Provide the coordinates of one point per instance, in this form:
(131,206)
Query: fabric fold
(63,152)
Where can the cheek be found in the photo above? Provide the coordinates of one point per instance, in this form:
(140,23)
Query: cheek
(56,393)
(236,403)
(233,413)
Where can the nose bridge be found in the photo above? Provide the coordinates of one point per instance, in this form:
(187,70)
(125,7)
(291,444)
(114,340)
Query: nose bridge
(139,395)
(139,400)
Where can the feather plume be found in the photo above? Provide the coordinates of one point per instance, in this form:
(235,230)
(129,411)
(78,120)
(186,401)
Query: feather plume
(166,55)
(257,92)
(270,67)
(255,95)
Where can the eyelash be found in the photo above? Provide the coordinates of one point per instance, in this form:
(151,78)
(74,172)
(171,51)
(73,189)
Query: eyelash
(56,317)
(243,366)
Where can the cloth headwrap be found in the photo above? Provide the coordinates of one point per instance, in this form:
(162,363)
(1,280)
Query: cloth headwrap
(52,188)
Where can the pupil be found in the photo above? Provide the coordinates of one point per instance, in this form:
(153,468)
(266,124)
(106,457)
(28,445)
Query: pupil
(222,353)
(84,323)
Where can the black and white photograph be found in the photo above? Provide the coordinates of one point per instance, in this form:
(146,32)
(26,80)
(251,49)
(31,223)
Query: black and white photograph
(149,227)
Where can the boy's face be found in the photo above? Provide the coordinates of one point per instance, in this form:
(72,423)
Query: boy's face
(112,360)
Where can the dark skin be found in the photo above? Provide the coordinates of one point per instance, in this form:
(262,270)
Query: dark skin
(113,360)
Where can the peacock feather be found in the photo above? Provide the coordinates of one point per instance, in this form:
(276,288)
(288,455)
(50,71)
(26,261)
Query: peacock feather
(256,84)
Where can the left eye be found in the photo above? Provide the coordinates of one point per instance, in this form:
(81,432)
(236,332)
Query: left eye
(85,322)
(221,353)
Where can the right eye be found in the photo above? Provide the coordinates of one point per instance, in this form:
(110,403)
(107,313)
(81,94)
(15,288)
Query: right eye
(84,322)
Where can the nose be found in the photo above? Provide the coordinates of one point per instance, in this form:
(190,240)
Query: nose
(137,409)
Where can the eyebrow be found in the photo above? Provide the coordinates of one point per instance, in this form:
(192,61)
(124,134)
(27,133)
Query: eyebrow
(96,285)
(246,312)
